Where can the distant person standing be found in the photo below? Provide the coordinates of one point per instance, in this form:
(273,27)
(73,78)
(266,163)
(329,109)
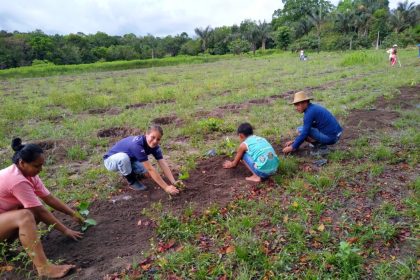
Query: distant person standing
(302,55)
(392,55)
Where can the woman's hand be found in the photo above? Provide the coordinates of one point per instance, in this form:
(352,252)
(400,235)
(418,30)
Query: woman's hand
(228,164)
(170,189)
(73,234)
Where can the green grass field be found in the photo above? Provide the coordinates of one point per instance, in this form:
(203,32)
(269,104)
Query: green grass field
(285,232)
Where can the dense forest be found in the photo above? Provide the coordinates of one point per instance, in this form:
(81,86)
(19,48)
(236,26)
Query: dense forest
(308,24)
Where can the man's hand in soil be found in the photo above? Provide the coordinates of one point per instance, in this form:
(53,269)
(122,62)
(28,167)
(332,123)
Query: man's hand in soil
(170,189)
(228,164)
(78,218)
(288,149)
(288,143)
(73,234)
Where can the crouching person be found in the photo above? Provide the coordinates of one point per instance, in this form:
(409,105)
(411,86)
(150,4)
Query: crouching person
(129,156)
(256,153)
(320,128)
(21,192)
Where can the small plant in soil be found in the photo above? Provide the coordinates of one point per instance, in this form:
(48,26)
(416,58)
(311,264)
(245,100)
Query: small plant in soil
(83,210)
(228,147)
(183,174)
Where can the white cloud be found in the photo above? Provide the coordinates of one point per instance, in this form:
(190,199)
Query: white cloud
(118,17)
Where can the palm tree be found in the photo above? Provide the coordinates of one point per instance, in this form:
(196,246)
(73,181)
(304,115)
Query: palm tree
(344,21)
(317,19)
(264,32)
(398,21)
(403,16)
(204,34)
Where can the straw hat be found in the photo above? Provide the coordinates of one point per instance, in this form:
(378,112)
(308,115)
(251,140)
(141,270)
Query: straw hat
(300,96)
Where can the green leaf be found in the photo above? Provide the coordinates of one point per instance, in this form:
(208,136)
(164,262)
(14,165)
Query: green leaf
(84,212)
(184,175)
(84,205)
(90,222)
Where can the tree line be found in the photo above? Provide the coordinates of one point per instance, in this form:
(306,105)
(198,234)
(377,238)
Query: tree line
(300,24)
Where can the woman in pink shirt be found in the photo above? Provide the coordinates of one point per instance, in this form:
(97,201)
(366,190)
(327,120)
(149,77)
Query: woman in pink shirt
(21,209)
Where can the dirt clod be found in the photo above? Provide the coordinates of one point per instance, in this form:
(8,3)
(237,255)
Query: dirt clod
(172,119)
(118,132)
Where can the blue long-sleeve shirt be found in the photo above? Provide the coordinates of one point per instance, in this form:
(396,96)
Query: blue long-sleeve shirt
(320,118)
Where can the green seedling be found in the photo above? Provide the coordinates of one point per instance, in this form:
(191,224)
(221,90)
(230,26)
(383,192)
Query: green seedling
(183,174)
(230,147)
(88,223)
(83,210)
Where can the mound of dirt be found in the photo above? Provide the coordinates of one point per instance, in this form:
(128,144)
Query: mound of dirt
(106,111)
(260,101)
(171,119)
(225,93)
(143,104)
(164,101)
(118,132)
(217,113)
(118,236)
(47,144)
(232,107)
(55,119)
(137,105)
(56,149)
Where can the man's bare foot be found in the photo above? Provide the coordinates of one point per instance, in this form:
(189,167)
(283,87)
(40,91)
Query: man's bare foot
(253,178)
(55,271)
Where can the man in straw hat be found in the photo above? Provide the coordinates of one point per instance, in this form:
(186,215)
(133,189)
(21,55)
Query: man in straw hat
(320,127)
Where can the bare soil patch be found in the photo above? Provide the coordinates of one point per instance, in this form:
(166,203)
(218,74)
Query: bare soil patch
(136,105)
(207,114)
(171,119)
(56,149)
(260,101)
(233,107)
(144,104)
(55,119)
(111,244)
(118,132)
(407,99)
(106,111)
(360,121)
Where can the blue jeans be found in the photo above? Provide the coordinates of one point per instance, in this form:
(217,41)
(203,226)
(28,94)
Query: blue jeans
(251,164)
(122,163)
(320,137)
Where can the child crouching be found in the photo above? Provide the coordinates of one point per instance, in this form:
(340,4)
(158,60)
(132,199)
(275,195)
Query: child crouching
(256,153)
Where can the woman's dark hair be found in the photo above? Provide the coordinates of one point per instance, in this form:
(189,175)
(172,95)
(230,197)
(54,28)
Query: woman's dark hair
(245,129)
(28,153)
(155,127)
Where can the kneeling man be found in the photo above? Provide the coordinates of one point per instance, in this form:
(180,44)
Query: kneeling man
(320,127)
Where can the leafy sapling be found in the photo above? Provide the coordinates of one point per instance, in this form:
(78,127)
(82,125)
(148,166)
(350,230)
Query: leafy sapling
(83,210)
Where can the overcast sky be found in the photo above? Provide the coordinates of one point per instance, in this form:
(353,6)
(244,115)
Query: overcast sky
(118,17)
